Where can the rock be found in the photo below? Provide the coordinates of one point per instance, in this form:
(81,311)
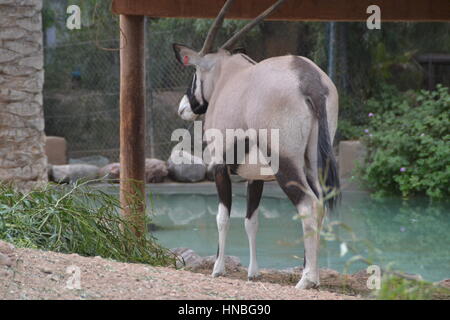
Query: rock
(189,259)
(56,149)
(70,173)
(232,263)
(184,167)
(46,270)
(6,248)
(5,260)
(155,170)
(99,161)
(444,283)
(110,171)
(193,261)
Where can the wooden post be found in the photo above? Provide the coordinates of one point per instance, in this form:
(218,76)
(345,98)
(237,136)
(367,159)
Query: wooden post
(132,120)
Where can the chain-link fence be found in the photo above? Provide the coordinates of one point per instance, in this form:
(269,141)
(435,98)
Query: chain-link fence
(81,93)
(81,96)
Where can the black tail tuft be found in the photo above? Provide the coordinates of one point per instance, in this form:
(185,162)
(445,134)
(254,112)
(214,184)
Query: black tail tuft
(327,165)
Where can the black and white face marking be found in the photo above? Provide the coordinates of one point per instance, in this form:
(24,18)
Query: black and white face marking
(193,102)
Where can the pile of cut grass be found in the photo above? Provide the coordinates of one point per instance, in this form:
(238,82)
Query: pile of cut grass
(75,219)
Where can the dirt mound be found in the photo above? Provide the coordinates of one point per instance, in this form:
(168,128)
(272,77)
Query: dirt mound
(36,274)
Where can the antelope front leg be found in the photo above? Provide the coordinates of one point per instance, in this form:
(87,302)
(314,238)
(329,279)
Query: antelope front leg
(254,192)
(223,185)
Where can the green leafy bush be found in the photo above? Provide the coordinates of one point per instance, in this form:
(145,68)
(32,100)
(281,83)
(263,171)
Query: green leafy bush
(408,143)
(75,220)
(395,288)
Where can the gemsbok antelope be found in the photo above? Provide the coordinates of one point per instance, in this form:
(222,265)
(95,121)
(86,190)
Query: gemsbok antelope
(288,93)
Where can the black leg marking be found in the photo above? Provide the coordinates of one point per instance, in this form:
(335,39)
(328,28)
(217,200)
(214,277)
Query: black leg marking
(289,180)
(254,192)
(223,185)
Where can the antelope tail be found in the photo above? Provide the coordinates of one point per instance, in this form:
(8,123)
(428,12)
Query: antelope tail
(326,163)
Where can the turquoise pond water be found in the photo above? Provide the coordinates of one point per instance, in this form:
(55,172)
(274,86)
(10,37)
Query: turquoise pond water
(411,236)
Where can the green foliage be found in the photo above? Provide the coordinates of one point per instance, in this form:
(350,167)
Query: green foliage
(48,17)
(408,143)
(376,58)
(395,288)
(347,130)
(75,220)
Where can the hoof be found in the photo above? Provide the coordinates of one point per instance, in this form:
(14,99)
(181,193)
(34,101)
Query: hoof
(305,284)
(216,274)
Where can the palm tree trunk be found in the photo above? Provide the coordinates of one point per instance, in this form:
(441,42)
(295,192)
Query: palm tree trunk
(22,140)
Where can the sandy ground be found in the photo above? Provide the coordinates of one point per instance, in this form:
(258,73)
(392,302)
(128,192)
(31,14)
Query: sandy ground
(35,274)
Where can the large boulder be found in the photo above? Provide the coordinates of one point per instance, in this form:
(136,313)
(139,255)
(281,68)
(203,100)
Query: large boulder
(110,171)
(187,258)
(232,263)
(185,167)
(70,173)
(444,283)
(155,171)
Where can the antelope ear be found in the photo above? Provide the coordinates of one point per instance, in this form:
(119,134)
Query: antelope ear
(186,56)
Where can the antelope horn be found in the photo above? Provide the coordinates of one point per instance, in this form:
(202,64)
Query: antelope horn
(232,41)
(208,44)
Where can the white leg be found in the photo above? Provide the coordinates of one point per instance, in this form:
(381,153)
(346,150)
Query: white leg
(311,236)
(223,224)
(251,227)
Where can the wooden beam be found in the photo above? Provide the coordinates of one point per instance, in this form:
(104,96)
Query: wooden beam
(132,120)
(292,10)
